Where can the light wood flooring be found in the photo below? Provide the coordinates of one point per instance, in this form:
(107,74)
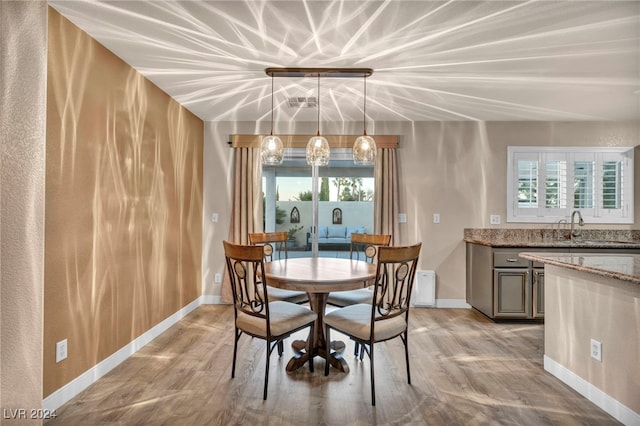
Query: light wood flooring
(466,370)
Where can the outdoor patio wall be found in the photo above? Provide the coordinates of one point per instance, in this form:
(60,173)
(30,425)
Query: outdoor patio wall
(456,169)
(123,224)
(354,213)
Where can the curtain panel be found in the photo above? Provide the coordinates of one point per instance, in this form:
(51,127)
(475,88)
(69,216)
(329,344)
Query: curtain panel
(246,210)
(385,210)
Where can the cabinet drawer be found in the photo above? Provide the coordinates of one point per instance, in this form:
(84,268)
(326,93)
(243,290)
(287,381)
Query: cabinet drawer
(509,259)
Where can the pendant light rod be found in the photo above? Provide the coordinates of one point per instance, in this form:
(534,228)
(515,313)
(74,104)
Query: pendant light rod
(364,106)
(318,105)
(320,72)
(271,106)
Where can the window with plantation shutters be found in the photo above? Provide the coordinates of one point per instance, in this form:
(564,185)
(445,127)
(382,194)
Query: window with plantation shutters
(545,184)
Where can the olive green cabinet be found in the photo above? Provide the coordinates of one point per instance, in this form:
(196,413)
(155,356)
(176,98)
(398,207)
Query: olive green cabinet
(511,293)
(502,285)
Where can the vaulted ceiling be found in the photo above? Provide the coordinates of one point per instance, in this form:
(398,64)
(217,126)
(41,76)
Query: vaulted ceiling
(455,60)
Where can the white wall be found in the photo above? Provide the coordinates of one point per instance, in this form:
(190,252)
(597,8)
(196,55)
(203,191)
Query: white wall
(457,169)
(23,65)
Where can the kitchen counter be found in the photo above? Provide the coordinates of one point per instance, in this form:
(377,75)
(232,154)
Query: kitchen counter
(625,267)
(552,238)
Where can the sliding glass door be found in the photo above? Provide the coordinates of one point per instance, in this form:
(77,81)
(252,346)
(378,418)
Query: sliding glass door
(333,201)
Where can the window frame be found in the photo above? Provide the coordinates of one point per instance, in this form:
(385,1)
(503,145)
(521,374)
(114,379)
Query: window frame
(597,214)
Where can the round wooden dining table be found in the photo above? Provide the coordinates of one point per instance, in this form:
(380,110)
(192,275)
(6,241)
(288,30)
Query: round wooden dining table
(318,276)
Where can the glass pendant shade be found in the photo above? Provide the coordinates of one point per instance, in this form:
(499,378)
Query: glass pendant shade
(318,151)
(272,150)
(364,150)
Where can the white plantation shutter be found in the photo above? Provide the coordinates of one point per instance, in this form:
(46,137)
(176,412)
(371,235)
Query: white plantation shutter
(611,184)
(545,184)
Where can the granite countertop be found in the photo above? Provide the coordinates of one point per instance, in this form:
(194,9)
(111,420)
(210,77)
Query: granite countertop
(552,238)
(625,267)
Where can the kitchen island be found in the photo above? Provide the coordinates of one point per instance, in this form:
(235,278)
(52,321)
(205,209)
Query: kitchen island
(592,310)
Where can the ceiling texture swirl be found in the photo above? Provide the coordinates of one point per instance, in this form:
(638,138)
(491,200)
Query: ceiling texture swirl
(455,60)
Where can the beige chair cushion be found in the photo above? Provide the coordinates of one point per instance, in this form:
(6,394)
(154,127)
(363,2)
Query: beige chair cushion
(355,320)
(284,317)
(352,297)
(280,294)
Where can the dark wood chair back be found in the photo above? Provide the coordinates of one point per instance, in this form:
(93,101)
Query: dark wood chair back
(393,285)
(367,245)
(271,243)
(245,265)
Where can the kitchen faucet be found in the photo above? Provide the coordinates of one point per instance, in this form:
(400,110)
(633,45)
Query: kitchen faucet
(575,232)
(559,233)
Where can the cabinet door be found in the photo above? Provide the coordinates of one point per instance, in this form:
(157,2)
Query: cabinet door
(538,293)
(480,278)
(511,293)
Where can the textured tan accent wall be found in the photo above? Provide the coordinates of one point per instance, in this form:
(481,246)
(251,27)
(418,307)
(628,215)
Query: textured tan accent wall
(457,169)
(579,307)
(23,54)
(123,230)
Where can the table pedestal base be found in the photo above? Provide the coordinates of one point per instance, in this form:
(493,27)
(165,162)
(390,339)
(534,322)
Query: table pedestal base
(302,356)
(318,302)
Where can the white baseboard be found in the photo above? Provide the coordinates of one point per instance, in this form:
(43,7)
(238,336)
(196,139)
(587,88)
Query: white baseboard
(80,383)
(619,411)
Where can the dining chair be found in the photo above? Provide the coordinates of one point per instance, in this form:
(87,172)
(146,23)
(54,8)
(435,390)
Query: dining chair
(365,246)
(388,316)
(254,314)
(274,245)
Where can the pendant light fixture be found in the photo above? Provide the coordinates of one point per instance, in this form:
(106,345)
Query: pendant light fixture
(271,148)
(364,148)
(318,150)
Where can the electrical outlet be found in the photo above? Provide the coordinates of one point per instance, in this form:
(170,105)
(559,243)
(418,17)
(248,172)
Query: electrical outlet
(402,218)
(61,350)
(436,218)
(217,278)
(494,219)
(214,217)
(596,350)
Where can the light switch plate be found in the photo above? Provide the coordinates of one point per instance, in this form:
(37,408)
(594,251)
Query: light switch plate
(402,218)
(494,219)
(436,218)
